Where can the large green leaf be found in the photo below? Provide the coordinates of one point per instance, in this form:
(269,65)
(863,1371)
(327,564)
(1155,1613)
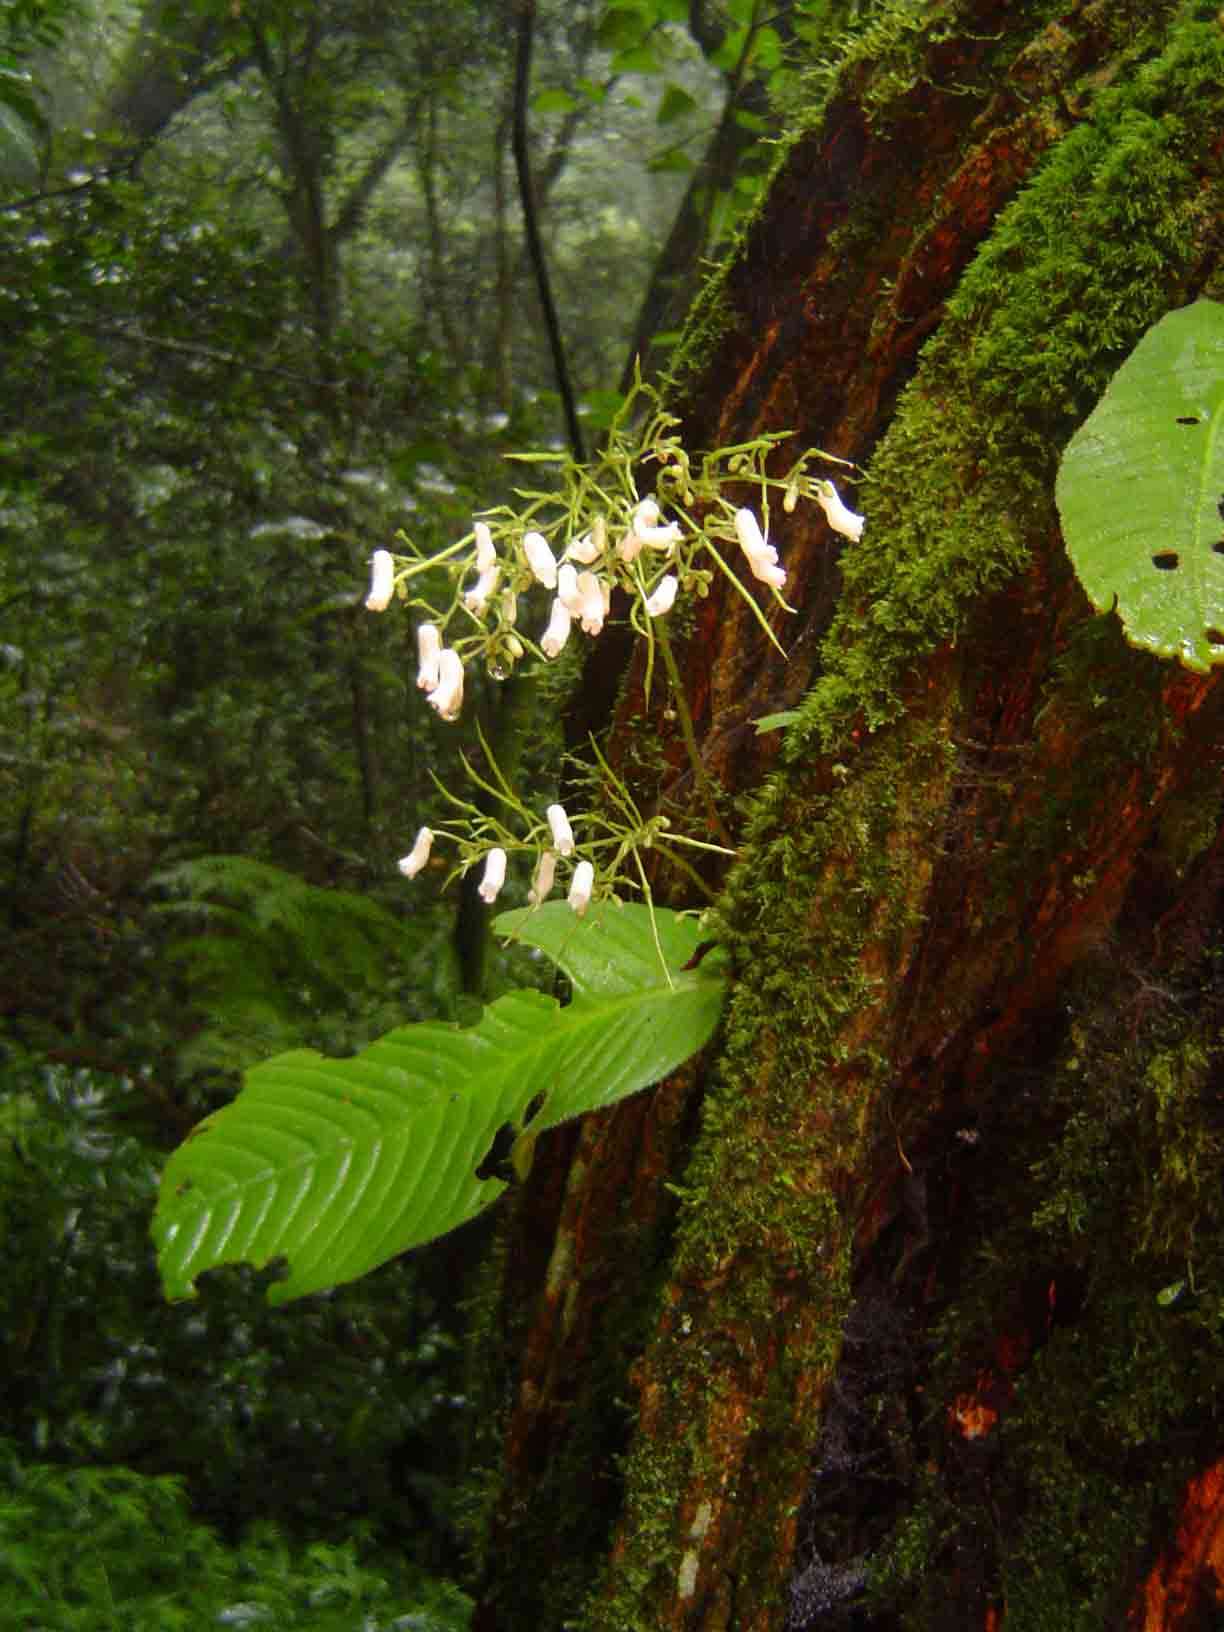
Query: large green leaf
(338,1165)
(1141,490)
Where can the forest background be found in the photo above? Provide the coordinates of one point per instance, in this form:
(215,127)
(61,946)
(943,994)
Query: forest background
(899,1308)
(265,299)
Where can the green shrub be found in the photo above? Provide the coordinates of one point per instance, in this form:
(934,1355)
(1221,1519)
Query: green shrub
(109,1550)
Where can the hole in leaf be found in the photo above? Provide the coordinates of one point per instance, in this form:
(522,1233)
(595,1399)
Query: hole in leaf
(1165,560)
(1218,546)
(1215,636)
(1220,506)
(1188,419)
(495,1164)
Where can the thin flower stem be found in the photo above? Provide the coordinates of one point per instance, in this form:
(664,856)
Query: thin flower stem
(463,546)
(699,844)
(690,737)
(654,927)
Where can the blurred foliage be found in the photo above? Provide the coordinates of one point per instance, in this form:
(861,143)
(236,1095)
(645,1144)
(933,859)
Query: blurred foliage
(89,1549)
(356,1392)
(273,963)
(264,301)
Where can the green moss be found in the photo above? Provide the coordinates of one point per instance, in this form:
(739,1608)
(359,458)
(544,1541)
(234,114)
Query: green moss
(960,491)
(757,1195)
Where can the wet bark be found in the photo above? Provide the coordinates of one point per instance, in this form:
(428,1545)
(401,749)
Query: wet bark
(764,1370)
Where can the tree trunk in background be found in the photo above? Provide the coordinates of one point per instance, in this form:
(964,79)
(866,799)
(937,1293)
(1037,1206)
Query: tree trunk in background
(175,55)
(901,1307)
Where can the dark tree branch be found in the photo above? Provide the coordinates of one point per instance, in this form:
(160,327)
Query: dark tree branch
(535,248)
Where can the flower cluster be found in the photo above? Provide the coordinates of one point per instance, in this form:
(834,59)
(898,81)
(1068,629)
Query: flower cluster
(493,878)
(596,537)
(591,565)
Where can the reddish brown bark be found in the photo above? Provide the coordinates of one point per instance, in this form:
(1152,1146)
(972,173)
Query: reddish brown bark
(1009,871)
(1190,1573)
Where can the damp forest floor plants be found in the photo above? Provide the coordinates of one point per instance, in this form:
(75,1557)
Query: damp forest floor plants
(593,532)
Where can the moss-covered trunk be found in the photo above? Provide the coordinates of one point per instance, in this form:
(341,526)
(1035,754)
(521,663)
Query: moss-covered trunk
(906,1304)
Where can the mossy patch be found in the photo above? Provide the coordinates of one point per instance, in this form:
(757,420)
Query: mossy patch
(959,495)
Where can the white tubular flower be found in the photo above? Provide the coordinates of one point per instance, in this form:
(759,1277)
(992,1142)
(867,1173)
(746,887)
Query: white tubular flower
(562,832)
(762,558)
(429,647)
(751,538)
(411,864)
(584,550)
(509,606)
(840,517)
(540,559)
(382,581)
(476,599)
(542,883)
(581,887)
(494,876)
(646,526)
(567,588)
(486,555)
(594,598)
(558,631)
(447,695)
(664,597)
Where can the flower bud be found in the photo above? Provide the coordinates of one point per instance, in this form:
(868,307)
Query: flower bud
(447,695)
(540,559)
(382,581)
(562,832)
(581,887)
(494,876)
(429,645)
(558,631)
(486,555)
(542,883)
(477,598)
(411,864)
(567,588)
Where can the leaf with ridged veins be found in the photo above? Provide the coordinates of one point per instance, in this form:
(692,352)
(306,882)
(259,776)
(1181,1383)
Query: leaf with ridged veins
(336,1166)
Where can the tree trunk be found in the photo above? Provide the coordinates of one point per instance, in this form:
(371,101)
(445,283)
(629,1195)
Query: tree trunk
(900,1308)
